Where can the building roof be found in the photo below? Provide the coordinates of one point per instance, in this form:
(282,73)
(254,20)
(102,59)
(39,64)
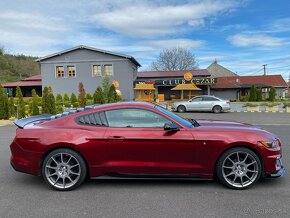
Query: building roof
(248,81)
(144,87)
(29,81)
(187,86)
(217,70)
(92,49)
(171,73)
(33,78)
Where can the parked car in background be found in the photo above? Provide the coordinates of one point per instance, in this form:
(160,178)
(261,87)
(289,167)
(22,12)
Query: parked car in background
(135,139)
(202,103)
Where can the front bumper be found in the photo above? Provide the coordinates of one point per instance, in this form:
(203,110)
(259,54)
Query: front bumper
(280,173)
(280,169)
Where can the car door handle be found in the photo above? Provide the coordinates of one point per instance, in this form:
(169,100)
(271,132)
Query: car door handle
(116,137)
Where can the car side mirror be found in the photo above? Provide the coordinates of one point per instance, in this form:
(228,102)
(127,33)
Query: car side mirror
(169,126)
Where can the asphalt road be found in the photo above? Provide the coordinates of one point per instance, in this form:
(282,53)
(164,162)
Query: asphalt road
(23,195)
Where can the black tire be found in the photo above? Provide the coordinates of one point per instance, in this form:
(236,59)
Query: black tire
(181,109)
(64,169)
(242,171)
(217,109)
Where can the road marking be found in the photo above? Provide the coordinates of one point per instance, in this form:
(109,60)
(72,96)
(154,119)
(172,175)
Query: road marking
(273,124)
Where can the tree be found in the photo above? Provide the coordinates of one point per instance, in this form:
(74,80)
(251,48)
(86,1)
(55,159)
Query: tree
(113,96)
(51,101)
(99,97)
(45,101)
(11,108)
(66,100)
(272,94)
(106,86)
(73,100)
(253,93)
(82,95)
(20,105)
(259,95)
(34,103)
(176,58)
(3,104)
(59,103)
(89,96)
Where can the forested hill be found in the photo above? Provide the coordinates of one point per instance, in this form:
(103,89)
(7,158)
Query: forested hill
(16,67)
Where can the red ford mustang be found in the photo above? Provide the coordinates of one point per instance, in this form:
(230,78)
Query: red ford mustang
(142,140)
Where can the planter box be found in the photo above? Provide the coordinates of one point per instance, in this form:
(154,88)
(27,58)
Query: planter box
(253,109)
(271,109)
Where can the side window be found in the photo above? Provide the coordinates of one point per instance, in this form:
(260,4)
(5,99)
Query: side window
(93,119)
(135,118)
(209,99)
(197,99)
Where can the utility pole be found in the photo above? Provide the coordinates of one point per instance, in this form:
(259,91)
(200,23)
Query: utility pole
(264,66)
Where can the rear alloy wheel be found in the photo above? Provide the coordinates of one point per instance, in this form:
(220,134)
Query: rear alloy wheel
(239,168)
(217,109)
(181,109)
(64,169)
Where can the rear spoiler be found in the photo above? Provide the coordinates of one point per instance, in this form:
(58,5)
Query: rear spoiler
(24,121)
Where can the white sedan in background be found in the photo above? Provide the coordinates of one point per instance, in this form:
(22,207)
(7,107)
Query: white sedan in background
(202,103)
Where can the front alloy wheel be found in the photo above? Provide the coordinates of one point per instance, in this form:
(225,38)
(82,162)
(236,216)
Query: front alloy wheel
(64,169)
(181,109)
(239,168)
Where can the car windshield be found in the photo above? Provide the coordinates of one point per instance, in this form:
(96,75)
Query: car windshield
(184,122)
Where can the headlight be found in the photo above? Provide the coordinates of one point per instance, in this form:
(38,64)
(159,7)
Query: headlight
(271,144)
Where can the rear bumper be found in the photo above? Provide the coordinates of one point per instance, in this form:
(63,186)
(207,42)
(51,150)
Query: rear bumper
(24,161)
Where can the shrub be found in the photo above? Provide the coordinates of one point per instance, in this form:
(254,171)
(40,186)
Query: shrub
(251,105)
(272,94)
(253,93)
(89,96)
(51,101)
(270,104)
(45,101)
(73,99)
(259,95)
(106,84)
(66,100)
(11,108)
(99,97)
(34,110)
(59,103)
(20,105)
(82,95)
(286,104)
(3,104)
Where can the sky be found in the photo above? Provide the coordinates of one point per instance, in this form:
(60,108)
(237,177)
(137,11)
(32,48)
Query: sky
(241,35)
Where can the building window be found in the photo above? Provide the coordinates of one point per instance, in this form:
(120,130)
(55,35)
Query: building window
(59,71)
(71,71)
(108,70)
(97,70)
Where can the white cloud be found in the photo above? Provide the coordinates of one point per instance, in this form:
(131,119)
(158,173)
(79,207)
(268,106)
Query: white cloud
(150,19)
(180,42)
(249,40)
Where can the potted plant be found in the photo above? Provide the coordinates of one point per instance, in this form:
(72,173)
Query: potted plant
(252,107)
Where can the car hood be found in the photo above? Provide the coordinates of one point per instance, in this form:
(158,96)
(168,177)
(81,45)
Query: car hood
(226,123)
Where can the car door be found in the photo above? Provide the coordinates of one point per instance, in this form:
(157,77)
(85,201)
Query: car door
(138,144)
(208,103)
(195,104)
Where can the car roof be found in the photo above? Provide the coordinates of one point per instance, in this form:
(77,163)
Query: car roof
(124,104)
